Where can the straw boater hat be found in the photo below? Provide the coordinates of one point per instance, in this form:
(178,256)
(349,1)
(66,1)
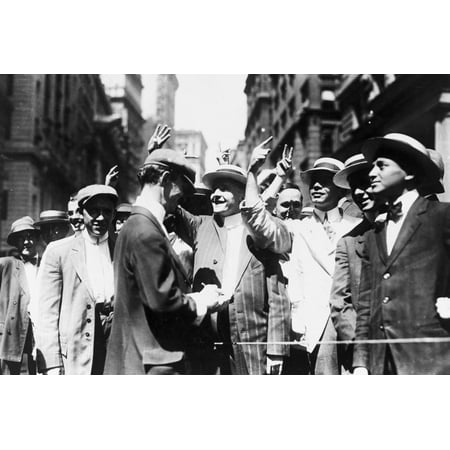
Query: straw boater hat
(225,171)
(353,164)
(435,186)
(51,216)
(172,159)
(123,208)
(327,165)
(95,190)
(401,145)
(23,224)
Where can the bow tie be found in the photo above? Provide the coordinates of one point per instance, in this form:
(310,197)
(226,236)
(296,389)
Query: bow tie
(394,212)
(34,260)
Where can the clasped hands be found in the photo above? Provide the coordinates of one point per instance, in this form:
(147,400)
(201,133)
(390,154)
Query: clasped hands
(209,299)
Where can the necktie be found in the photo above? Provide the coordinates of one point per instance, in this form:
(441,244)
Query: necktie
(395,212)
(328,228)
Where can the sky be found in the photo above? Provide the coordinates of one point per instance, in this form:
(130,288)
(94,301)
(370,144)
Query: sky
(213,104)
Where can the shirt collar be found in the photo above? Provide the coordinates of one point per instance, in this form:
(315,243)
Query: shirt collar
(94,240)
(154,207)
(407,199)
(233,221)
(333,215)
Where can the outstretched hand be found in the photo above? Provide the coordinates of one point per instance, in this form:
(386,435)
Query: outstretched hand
(159,137)
(284,166)
(259,156)
(112,176)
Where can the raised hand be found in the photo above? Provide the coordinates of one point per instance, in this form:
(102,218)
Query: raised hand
(284,166)
(159,137)
(112,176)
(259,155)
(224,156)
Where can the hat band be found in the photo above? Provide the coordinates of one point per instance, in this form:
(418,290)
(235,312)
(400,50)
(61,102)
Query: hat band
(326,166)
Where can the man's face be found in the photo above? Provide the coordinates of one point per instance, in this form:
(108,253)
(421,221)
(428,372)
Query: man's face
(387,178)
(75,217)
(361,191)
(289,204)
(173,191)
(54,231)
(97,215)
(119,221)
(325,195)
(26,243)
(226,197)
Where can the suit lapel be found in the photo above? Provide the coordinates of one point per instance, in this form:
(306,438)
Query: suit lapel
(78,254)
(245,255)
(221,232)
(380,237)
(409,227)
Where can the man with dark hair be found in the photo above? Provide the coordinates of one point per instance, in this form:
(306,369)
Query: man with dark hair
(289,202)
(154,312)
(76,288)
(406,267)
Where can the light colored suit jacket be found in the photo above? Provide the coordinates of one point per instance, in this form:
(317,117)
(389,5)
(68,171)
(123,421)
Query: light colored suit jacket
(66,318)
(310,273)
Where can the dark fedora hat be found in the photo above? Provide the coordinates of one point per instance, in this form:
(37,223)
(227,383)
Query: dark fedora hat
(404,146)
(353,164)
(172,159)
(225,171)
(23,224)
(51,216)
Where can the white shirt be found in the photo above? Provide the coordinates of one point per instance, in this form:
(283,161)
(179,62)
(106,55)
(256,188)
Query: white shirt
(155,208)
(235,228)
(393,228)
(31,271)
(333,216)
(99,267)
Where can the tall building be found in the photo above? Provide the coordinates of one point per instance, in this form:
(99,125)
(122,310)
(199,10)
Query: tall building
(417,105)
(166,88)
(125,93)
(60,135)
(298,111)
(193,145)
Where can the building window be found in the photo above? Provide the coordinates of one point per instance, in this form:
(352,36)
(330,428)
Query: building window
(4,205)
(327,142)
(9,85)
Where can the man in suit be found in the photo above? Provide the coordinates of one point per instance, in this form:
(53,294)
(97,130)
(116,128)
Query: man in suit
(406,266)
(17,292)
(53,225)
(76,289)
(311,268)
(347,272)
(253,324)
(154,312)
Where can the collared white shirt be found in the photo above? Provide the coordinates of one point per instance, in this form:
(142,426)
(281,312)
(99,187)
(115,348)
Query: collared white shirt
(393,228)
(334,216)
(31,272)
(235,228)
(99,267)
(155,208)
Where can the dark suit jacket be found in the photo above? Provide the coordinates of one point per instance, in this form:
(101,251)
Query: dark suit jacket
(345,288)
(152,314)
(398,293)
(260,312)
(14,317)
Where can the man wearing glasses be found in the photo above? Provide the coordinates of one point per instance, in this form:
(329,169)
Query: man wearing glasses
(76,287)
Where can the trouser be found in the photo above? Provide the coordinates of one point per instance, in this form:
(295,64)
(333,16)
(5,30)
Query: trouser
(26,367)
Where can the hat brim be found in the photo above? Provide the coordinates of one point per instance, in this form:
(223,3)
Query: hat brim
(374,146)
(12,236)
(341,177)
(50,221)
(210,177)
(84,200)
(306,175)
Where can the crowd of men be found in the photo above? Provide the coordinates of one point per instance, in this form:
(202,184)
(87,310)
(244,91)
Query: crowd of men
(237,277)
